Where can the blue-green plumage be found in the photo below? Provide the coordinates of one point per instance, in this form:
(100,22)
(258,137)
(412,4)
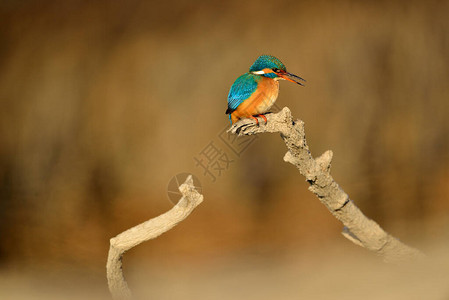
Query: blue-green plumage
(246,84)
(241,90)
(265,66)
(269,62)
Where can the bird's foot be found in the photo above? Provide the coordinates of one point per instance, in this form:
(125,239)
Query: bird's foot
(241,129)
(255,118)
(265,118)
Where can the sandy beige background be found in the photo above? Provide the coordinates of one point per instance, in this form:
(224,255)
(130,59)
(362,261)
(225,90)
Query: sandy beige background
(103,102)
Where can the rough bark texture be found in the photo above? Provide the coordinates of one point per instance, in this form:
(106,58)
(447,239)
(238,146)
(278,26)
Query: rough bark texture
(357,227)
(144,232)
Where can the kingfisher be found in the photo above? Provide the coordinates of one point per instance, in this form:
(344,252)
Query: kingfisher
(254,93)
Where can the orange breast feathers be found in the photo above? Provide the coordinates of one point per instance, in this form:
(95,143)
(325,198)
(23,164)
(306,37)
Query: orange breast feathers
(260,101)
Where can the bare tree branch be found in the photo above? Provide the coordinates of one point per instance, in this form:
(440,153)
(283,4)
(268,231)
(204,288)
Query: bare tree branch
(144,232)
(357,227)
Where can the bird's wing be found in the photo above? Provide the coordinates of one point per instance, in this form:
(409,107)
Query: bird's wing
(241,90)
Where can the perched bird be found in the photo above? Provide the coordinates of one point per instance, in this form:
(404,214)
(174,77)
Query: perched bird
(254,93)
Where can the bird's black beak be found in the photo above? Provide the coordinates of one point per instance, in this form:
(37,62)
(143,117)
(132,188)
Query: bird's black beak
(291,77)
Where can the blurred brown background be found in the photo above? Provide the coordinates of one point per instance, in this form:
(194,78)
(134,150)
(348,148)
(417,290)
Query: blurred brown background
(103,102)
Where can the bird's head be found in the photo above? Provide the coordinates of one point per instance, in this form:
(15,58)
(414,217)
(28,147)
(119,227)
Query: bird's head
(271,67)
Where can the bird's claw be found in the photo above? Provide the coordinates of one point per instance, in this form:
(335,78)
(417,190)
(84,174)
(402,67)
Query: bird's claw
(241,129)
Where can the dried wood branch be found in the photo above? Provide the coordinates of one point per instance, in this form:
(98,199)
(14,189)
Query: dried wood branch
(144,232)
(357,227)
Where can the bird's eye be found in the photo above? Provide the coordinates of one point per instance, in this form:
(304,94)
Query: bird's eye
(275,70)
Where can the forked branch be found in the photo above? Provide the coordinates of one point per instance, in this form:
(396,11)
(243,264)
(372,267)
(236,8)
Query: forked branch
(357,227)
(144,232)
